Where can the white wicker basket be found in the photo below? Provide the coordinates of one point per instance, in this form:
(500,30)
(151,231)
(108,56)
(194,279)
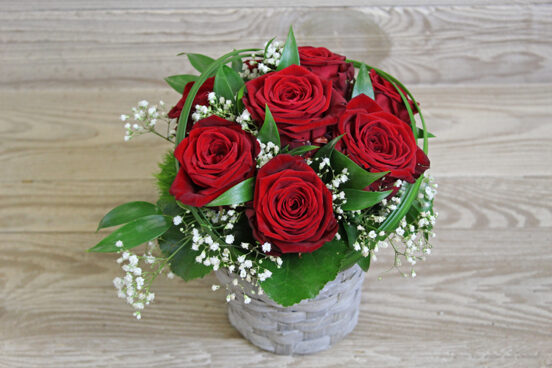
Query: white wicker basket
(305,328)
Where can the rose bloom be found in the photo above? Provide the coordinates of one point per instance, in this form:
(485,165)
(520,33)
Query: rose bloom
(379,141)
(292,208)
(216,155)
(305,107)
(328,66)
(389,99)
(201,98)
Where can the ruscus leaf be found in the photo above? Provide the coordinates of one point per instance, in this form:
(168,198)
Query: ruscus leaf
(363,84)
(290,54)
(227,83)
(360,199)
(269,130)
(127,212)
(200,62)
(239,193)
(178,82)
(297,151)
(358,177)
(134,233)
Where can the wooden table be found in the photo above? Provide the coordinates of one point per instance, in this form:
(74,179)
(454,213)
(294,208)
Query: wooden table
(483,74)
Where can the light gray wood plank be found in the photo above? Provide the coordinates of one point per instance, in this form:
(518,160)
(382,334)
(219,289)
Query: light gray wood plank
(136,47)
(34,5)
(482,299)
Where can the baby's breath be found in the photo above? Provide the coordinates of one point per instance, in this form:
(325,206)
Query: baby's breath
(146,119)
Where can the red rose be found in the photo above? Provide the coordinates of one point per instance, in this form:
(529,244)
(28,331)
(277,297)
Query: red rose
(328,66)
(379,141)
(304,106)
(199,99)
(216,155)
(292,208)
(389,99)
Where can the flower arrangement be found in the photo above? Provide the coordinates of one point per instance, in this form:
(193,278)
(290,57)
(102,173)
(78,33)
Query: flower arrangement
(284,169)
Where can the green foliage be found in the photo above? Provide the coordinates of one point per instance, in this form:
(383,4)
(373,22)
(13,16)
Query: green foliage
(183,120)
(239,102)
(303,276)
(237,64)
(352,233)
(126,213)
(182,263)
(227,83)
(239,193)
(269,130)
(166,176)
(363,84)
(178,82)
(200,62)
(358,177)
(358,199)
(297,151)
(327,149)
(364,263)
(134,233)
(421,133)
(290,54)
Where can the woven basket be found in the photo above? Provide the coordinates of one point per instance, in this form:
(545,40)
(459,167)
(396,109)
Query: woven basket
(305,328)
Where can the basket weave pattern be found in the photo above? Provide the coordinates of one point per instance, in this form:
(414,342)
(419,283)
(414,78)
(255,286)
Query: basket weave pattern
(305,328)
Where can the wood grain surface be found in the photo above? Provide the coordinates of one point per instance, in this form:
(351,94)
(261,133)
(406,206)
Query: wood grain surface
(59,47)
(483,74)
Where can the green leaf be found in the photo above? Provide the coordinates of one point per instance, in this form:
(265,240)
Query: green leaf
(327,149)
(352,233)
(269,130)
(303,277)
(363,84)
(358,177)
(183,262)
(297,151)
(360,199)
(290,54)
(239,101)
(200,62)
(239,193)
(134,233)
(227,83)
(126,213)
(364,263)
(178,82)
(165,177)
(421,134)
(237,64)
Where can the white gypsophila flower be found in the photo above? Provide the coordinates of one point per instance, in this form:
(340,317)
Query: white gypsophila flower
(170,275)
(229,239)
(215,287)
(246,299)
(266,247)
(133,260)
(177,220)
(119,243)
(143,103)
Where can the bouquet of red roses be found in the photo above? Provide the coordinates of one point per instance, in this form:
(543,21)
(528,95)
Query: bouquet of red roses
(288,167)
